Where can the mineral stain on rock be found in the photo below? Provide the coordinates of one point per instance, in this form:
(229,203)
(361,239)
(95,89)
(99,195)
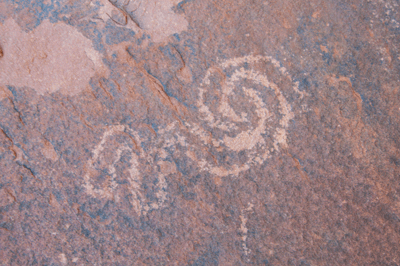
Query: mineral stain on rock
(50,58)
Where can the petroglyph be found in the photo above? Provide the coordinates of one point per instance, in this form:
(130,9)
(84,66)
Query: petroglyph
(256,124)
(154,17)
(50,58)
(245,134)
(243,229)
(119,157)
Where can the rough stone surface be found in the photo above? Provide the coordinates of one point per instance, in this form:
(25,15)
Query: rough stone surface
(168,132)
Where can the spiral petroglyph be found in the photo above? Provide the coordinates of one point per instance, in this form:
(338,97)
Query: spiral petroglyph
(244,114)
(243,121)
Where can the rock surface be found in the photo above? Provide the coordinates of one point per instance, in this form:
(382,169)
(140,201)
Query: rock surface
(170,132)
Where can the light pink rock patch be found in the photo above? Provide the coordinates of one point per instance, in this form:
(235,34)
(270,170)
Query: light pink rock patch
(53,57)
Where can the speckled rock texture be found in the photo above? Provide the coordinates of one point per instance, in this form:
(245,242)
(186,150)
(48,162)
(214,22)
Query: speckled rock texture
(212,132)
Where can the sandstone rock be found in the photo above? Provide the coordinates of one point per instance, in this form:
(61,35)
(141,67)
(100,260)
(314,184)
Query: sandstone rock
(199,132)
